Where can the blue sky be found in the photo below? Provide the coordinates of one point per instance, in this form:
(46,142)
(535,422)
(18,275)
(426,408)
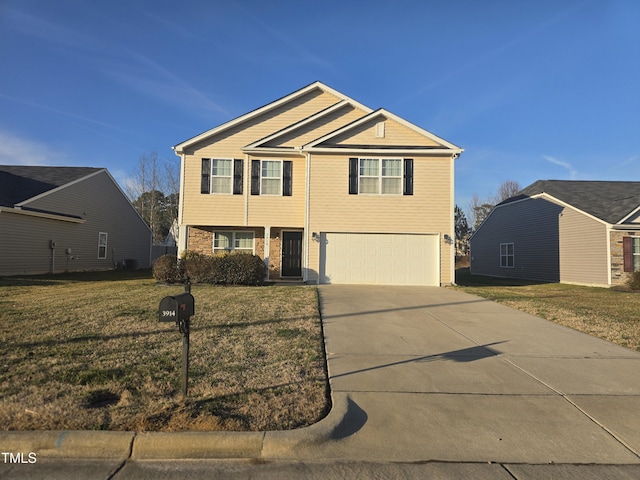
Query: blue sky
(530,89)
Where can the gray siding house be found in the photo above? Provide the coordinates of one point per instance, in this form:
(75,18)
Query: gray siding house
(56,219)
(578,232)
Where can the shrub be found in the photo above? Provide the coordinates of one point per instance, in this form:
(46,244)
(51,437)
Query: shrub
(634,281)
(166,270)
(225,269)
(198,267)
(241,269)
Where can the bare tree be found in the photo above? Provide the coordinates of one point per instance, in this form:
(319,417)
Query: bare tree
(480,208)
(154,193)
(507,189)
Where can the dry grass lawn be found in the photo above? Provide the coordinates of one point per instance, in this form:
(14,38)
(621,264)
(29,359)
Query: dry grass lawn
(611,314)
(86,351)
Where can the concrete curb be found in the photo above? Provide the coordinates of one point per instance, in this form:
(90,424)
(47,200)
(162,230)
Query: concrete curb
(174,446)
(69,444)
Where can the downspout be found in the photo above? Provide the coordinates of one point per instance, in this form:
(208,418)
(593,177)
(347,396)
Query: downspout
(452,228)
(246,188)
(183,230)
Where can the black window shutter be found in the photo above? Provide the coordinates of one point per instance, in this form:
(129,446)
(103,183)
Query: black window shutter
(255,177)
(408,176)
(286,177)
(353,176)
(205,183)
(627,253)
(238,168)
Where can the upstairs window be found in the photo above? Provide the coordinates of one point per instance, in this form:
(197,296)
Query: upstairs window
(271,177)
(506,255)
(381,176)
(222,176)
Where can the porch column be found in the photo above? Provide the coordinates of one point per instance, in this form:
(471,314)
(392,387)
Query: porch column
(267,246)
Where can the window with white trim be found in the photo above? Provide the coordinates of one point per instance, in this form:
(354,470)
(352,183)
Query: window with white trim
(506,255)
(221,175)
(233,241)
(636,253)
(380,176)
(102,245)
(271,177)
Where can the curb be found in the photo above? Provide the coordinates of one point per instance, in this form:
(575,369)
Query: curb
(176,445)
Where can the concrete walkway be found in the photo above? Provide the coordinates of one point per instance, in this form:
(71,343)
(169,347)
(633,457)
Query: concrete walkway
(426,382)
(433,374)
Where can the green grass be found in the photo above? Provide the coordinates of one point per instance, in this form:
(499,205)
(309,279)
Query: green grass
(611,314)
(86,351)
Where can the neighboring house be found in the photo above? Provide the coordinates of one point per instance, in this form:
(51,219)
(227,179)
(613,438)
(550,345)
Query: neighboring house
(325,190)
(55,219)
(562,231)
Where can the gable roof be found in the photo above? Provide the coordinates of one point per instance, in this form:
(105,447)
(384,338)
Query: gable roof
(611,202)
(443,145)
(264,109)
(19,184)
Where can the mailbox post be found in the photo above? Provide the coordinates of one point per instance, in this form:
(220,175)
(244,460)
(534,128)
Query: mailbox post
(179,309)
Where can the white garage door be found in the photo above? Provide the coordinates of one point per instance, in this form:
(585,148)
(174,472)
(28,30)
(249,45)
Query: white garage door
(379,258)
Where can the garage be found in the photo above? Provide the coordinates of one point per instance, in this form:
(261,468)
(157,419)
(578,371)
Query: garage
(380,258)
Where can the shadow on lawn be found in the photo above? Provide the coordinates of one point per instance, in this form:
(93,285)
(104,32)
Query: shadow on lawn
(464,278)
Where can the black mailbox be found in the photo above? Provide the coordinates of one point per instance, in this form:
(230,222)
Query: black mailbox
(176,308)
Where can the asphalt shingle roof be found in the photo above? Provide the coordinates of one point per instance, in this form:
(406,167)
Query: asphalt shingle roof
(608,201)
(19,183)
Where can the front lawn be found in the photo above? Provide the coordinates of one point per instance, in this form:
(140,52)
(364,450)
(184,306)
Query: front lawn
(86,351)
(613,315)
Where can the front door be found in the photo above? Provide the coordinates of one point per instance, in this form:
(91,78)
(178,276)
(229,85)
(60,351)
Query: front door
(291,254)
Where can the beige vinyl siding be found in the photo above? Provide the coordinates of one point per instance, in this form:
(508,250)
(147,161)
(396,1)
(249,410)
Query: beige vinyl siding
(319,128)
(551,243)
(97,199)
(24,242)
(202,209)
(394,134)
(279,210)
(332,209)
(583,249)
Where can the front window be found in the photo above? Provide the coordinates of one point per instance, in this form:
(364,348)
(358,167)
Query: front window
(233,241)
(636,254)
(221,175)
(102,245)
(271,177)
(381,176)
(506,255)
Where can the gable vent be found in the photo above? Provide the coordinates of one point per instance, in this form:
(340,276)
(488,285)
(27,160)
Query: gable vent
(380,130)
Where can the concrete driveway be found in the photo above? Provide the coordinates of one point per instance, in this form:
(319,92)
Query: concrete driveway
(436,374)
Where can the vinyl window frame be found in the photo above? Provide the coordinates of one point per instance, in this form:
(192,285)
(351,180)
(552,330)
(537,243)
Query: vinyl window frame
(507,255)
(230,176)
(103,240)
(380,176)
(233,246)
(272,179)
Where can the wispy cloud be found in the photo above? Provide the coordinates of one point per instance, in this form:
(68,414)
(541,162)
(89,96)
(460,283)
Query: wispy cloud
(115,61)
(16,150)
(573,173)
(140,73)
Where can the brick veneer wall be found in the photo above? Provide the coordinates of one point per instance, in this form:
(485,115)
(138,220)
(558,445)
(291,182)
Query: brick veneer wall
(618,275)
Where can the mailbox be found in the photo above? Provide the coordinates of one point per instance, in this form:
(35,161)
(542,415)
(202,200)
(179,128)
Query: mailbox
(176,308)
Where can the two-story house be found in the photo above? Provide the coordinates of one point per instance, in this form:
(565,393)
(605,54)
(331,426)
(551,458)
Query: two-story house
(325,189)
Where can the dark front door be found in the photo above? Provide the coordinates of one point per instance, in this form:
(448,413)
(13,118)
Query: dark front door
(291,254)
